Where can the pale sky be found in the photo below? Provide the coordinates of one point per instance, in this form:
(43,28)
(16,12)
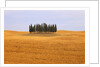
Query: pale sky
(19,20)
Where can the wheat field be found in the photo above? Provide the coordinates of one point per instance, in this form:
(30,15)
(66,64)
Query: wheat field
(62,47)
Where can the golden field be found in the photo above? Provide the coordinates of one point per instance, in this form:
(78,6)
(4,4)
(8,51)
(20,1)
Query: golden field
(62,47)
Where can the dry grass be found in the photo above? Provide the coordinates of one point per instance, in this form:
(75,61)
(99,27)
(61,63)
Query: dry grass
(62,47)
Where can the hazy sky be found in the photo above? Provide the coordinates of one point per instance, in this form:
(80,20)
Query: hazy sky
(19,20)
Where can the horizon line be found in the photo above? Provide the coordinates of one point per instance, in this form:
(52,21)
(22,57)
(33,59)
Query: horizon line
(57,30)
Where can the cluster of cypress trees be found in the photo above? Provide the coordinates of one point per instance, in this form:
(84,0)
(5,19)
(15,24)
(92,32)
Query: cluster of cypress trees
(43,28)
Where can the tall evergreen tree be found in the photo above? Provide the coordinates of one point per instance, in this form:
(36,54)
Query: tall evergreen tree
(55,28)
(34,28)
(30,28)
(51,28)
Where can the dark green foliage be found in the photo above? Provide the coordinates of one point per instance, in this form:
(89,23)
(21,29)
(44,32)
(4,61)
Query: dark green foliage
(30,28)
(55,28)
(43,28)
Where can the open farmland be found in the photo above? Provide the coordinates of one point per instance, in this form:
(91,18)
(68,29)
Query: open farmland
(62,47)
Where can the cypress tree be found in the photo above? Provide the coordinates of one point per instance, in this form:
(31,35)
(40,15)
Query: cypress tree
(51,28)
(55,28)
(30,28)
(40,28)
(45,27)
(34,28)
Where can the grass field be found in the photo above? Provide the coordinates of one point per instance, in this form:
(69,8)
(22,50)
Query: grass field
(62,47)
